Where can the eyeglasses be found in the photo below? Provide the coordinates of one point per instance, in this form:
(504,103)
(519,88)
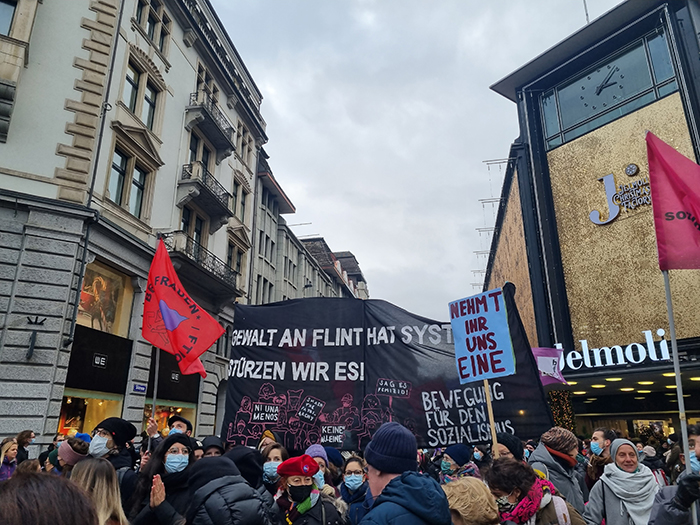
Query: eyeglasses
(102,433)
(181,451)
(356,472)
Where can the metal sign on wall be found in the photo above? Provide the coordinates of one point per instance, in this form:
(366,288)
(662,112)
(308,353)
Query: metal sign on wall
(628,197)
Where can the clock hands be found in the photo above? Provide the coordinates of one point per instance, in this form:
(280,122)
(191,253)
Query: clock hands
(605,83)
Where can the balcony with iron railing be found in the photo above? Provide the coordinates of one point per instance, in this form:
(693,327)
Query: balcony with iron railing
(197,184)
(204,113)
(199,266)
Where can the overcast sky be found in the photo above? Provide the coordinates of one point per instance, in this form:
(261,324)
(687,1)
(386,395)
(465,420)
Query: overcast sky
(380,118)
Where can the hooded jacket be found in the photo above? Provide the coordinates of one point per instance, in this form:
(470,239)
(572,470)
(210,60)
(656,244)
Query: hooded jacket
(410,499)
(564,479)
(227,501)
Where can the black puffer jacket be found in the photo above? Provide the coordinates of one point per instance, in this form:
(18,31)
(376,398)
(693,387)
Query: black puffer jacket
(227,501)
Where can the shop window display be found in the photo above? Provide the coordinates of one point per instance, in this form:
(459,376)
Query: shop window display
(82,410)
(165,410)
(105,300)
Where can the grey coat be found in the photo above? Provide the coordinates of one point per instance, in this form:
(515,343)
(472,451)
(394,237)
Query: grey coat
(564,479)
(605,505)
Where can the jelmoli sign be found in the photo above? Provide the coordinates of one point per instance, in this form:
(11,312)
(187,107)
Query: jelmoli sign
(628,196)
(615,355)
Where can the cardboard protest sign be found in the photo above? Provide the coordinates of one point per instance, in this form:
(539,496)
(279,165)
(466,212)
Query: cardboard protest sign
(483,348)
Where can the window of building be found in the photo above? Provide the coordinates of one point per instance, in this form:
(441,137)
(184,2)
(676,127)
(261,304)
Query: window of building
(141,95)
(205,82)
(155,23)
(244,195)
(618,85)
(128,182)
(200,151)
(194,225)
(105,300)
(244,144)
(234,195)
(7,14)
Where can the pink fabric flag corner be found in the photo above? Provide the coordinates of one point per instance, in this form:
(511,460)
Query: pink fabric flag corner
(548,365)
(675,198)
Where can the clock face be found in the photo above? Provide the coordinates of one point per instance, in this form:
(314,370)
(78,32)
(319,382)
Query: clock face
(604,86)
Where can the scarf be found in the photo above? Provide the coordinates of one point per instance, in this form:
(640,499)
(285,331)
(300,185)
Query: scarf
(563,459)
(293,510)
(468,469)
(537,498)
(596,465)
(635,490)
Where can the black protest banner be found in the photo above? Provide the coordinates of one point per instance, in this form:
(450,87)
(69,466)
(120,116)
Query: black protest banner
(331,371)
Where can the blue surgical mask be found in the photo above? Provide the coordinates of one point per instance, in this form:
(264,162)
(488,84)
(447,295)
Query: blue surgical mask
(446,467)
(477,455)
(527,453)
(174,431)
(596,448)
(98,446)
(694,463)
(270,471)
(353,481)
(176,463)
(669,441)
(318,479)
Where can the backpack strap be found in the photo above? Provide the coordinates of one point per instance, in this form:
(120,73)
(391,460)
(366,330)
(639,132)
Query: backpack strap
(562,511)
(121,472)
(323,513)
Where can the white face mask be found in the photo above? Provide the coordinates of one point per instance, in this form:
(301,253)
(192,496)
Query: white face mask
(98,446)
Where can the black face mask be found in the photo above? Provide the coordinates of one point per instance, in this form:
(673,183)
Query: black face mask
(300,493)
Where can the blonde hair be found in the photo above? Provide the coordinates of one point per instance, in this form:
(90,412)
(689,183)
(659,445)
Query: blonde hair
(98,478)
(471,499)
(5,446)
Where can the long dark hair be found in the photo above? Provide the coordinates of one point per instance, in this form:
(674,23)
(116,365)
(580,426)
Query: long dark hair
(155,465)
(43,499)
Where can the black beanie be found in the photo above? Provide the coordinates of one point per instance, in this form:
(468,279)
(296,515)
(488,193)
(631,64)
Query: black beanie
(512,443)
(209,469)
(393,449)
(460,453)
(249,461)
(120,429)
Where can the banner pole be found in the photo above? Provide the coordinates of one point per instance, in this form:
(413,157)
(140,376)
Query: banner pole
(676,364)
(155,393)
(492,421)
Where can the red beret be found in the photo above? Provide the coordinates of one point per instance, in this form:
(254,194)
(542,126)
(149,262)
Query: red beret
(300,466)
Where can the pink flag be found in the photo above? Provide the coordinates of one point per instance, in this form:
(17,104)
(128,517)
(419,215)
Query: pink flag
(675,197)
(548,365)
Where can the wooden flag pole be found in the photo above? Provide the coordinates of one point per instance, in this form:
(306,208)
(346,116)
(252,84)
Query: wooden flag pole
(492,421)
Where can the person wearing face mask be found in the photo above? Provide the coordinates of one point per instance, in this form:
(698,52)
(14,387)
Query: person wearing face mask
(524,498)
(109,439)
(301,501)
(455,464)
(273,455)
(322,477)
(482,458)
(24,439)
(555,458)
(599,456)
(354,487)
(161,495)
(625,494)
(672,505)
(220,495)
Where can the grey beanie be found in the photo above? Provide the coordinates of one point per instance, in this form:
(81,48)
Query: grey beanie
(617,444)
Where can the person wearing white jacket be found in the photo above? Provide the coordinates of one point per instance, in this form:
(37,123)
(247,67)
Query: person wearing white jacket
(625,494)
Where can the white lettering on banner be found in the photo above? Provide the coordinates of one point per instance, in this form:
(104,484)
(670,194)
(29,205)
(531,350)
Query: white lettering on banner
(459,415)
(615,355)
(308,371)
(314,337)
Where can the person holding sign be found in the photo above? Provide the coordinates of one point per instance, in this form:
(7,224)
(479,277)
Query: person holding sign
(301,500)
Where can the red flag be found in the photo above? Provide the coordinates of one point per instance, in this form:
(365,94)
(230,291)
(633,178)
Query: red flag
(675,194)
(172,321)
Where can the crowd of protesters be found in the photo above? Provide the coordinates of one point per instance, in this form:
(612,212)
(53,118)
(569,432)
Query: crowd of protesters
(107,478)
